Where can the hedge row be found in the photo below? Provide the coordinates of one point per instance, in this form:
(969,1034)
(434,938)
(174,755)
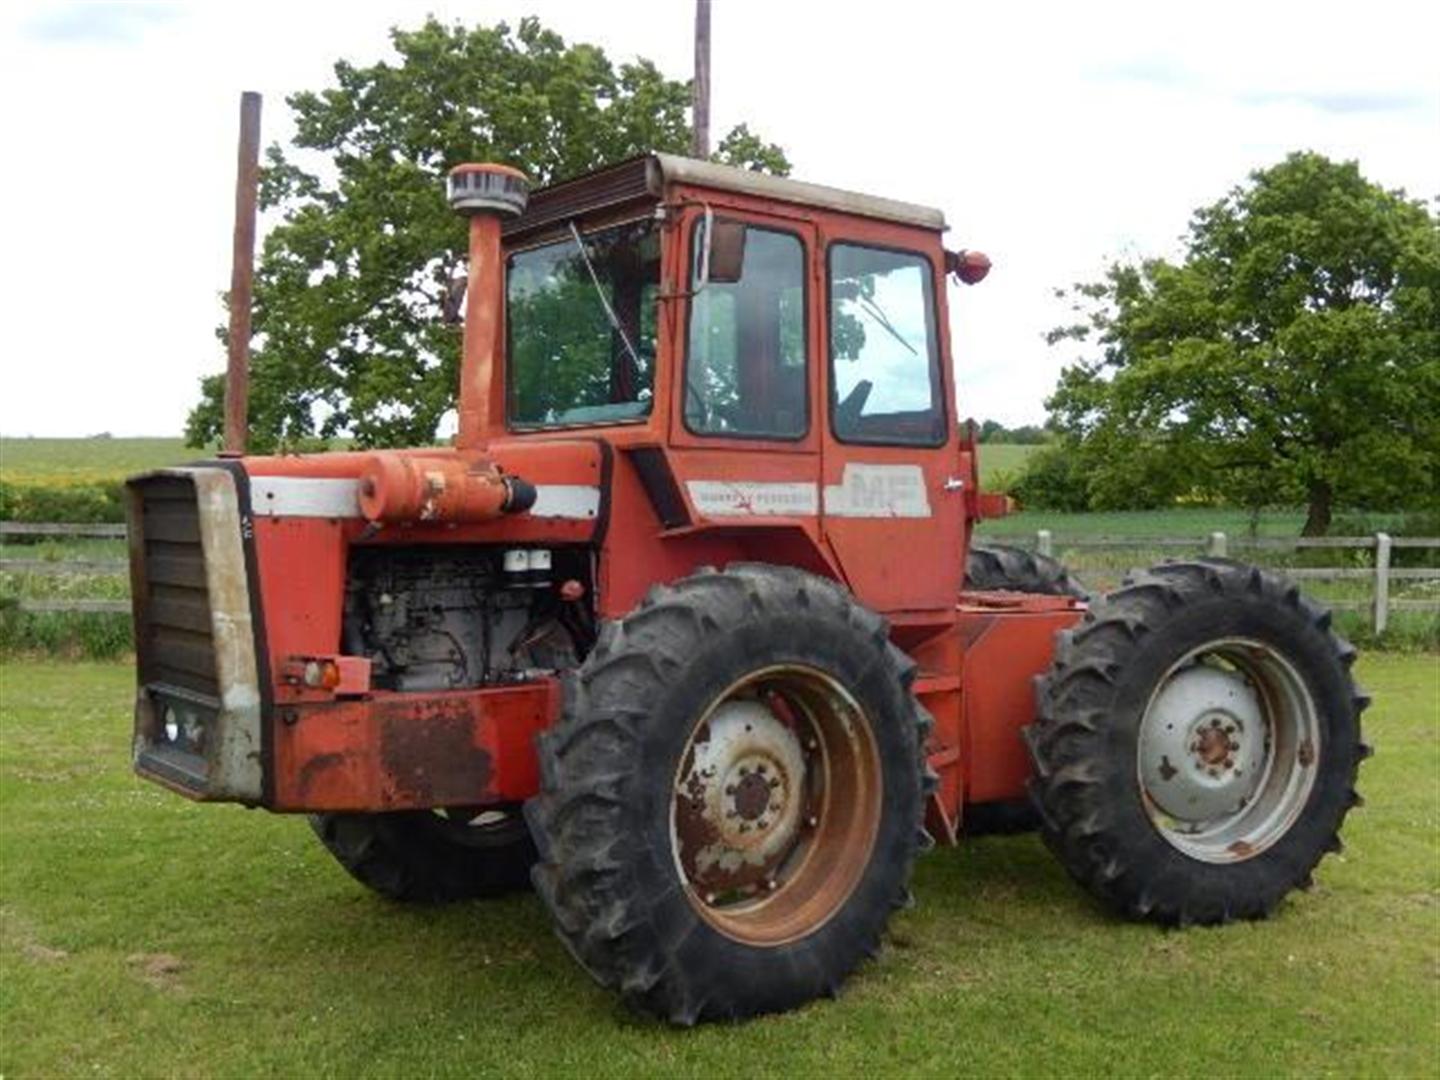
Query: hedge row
(87,503)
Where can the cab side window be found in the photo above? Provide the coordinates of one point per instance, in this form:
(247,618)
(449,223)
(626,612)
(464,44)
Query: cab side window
(745,364)
(885,384)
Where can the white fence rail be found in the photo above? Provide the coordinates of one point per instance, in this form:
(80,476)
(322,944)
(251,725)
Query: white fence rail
(1381,573)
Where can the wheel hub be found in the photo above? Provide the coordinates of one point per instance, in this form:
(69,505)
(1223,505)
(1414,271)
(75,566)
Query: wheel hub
(1203,745)
(740,800)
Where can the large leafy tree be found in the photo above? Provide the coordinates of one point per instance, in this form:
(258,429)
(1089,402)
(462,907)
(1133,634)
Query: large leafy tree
(352,284)
(1293,355)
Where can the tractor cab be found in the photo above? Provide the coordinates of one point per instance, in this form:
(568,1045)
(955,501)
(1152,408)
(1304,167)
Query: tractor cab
(771,351)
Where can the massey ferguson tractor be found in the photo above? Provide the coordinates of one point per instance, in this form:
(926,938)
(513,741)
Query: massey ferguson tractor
(687,627)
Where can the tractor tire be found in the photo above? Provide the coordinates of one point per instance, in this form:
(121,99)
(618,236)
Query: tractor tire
(731,803)
(996,567)
(431,857)
(1197,743)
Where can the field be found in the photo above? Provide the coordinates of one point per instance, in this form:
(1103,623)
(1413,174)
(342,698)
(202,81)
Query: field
(141,935)
(61,461)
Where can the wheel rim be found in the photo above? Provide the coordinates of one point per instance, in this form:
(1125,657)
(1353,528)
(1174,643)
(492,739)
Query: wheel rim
(1228,750)
(776,805)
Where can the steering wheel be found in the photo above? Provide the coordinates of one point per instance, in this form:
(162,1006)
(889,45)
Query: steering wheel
(847,413)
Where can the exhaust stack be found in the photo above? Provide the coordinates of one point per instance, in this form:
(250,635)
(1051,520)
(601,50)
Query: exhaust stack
(487,194)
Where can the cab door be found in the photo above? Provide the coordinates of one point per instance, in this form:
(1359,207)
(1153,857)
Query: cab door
(892,495)
(745,434)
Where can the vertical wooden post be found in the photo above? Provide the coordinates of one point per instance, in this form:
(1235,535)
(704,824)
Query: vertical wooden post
(1045,543)
(700,87)
(242,267)
(1382,582)
(1217,546)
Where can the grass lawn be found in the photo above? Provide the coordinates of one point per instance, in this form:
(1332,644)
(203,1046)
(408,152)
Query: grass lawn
(144,935)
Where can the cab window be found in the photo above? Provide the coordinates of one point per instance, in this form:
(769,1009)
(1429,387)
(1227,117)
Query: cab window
(745,364)
(885,384)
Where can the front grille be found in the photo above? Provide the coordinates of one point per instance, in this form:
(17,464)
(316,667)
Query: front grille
(173,636)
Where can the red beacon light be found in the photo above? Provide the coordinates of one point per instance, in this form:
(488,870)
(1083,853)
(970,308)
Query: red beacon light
(969,266)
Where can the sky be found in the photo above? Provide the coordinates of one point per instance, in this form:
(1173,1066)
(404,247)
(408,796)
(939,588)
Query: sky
(1056,138)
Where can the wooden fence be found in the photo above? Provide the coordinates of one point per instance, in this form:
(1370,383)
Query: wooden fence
(59,567)
(1380,574)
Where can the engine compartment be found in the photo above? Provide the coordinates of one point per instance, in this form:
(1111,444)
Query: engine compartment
(447,618)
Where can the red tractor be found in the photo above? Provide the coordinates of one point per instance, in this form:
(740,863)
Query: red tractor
(688,628)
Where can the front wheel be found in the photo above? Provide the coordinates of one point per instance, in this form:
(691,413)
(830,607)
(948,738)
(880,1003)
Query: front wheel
(731,805)
(431,856)
(1197,743)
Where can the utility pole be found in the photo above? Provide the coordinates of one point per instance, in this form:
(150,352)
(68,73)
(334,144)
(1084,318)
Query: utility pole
(242,269)
(700,88)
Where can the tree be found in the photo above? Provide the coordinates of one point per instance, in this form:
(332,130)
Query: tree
(350,285)
(1295,352)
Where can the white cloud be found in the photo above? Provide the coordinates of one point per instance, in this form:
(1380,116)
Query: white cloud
(1053,138)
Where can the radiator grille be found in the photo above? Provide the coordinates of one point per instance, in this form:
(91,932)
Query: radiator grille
(172,603)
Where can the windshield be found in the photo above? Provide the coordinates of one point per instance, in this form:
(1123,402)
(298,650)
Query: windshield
(581,327)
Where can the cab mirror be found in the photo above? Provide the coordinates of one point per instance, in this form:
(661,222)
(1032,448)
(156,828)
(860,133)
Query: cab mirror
(727,252)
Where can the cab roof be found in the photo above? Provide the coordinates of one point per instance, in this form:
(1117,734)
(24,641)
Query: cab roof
(649,175)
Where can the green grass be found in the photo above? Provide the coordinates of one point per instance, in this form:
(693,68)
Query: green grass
(999,461)
(141,935)
(1196,522)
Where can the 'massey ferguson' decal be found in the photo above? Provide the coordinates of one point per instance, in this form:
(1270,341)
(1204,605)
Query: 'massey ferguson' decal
(297,496)
(864,491)
(883,491)
(750,498)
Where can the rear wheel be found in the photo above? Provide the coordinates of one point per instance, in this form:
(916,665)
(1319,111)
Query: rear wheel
(459,853)
(992,567)
(731,805)
(1197,743)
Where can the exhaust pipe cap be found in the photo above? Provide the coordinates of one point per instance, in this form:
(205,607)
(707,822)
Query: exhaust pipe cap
(487,189)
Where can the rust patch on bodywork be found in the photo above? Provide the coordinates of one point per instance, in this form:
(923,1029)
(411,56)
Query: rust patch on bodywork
(404,751)
(430,755)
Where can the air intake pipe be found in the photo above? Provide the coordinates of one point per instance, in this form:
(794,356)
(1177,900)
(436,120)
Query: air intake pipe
(400,489)
(486,194)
